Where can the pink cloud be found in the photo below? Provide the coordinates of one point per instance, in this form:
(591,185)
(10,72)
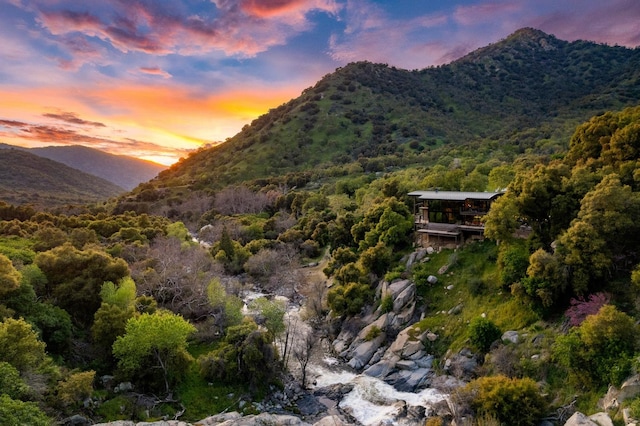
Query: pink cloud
(155,71)
(483,12)
(244,28)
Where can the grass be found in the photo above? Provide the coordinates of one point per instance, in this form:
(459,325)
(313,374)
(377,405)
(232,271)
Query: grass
(467,290)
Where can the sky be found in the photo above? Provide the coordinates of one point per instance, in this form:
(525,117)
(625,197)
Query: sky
(156,79)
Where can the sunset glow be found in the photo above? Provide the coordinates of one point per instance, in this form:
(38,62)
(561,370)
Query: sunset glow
(157,80)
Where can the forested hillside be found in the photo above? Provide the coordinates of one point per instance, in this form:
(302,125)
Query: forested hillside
(524,94)
(168,302)
(28,178)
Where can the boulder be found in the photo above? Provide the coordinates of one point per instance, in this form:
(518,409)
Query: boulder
(510,336)
(381,369)
(400,319)
(579,419)
(602,419)
(362,354)
(331,421)
(404,298)
(432,279)
(630,388)
(410,380)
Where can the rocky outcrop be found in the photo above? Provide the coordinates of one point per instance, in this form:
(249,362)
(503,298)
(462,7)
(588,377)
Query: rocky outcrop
(598,419)
(236,419)
(629,390)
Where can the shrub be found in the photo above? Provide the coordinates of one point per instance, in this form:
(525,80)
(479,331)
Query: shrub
(386,304)
(373,333)
(482,333)
(510,401)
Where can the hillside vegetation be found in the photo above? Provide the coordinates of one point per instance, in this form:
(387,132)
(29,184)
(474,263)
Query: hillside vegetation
(122,289)
(28,178)
(524,94)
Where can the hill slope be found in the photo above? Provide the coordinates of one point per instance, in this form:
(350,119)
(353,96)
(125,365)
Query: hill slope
(524,94)
(28,178)
(126,172)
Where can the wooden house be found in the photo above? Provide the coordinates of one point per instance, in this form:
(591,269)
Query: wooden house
(450,218)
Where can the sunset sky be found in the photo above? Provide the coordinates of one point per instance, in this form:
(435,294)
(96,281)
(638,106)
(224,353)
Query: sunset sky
(157,78)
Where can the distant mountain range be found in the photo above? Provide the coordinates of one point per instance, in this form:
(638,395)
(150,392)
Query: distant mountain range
(522,95)
(29,178)
(126,172)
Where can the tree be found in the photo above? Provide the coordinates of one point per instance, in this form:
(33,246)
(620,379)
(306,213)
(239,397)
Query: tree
(302,351)
(19,413)
(272,313)
(75,277)
(602,238)
(600,351)
(11,383)
(501,222)
(154,342)
(511,401)
(19,345)
(482,333)
(245,355)
(9,276)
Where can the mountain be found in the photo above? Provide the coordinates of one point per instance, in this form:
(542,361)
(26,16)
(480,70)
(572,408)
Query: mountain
(523,94)
(126,172)
(28,178)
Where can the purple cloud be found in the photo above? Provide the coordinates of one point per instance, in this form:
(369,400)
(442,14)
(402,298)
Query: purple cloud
(70,117)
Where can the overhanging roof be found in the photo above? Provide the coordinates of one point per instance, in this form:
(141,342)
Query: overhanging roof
(454,195)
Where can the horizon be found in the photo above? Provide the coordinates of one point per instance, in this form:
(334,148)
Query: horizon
(158,80)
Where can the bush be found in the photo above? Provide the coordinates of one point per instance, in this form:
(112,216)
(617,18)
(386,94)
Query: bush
(348,299)
(482,333)
(386,304)
(511,401)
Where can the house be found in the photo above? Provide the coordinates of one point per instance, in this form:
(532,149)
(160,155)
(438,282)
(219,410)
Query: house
(450,218)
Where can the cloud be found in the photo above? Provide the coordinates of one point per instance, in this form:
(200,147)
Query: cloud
(372,34)
(73,118)
(154,71)
(242,28)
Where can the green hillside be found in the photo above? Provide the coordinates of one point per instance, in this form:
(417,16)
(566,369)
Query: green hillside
(524,94)
(28,178)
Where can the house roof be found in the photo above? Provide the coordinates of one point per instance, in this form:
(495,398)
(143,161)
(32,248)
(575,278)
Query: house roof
(454,195)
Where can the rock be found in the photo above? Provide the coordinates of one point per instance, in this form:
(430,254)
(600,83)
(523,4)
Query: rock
(431,336)
(626,416)
(425,362)
(364,352)
(610,399)
(410,380)
(432,279)
(449,287)
(76,420)
(510,336)
(579,419)
(123,387)
(411,347)
(446,384)
(462,365)
(331,421)
(602,419)
(430,250)
(404,298)
(630,388)
(455,310)
(405,364)
(310,406)
(380,369)
(402,318)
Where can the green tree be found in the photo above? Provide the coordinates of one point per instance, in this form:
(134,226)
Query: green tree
(482,333)
(602,238)
(19,413)
(246,355)
(600,351)
(75,278)
(19,345)
(501,222)
(11,383)
(272,311)
(512,401)
(9,276)
(154,342)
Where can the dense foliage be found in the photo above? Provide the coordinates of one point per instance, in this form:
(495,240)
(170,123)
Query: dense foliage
(123,290)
